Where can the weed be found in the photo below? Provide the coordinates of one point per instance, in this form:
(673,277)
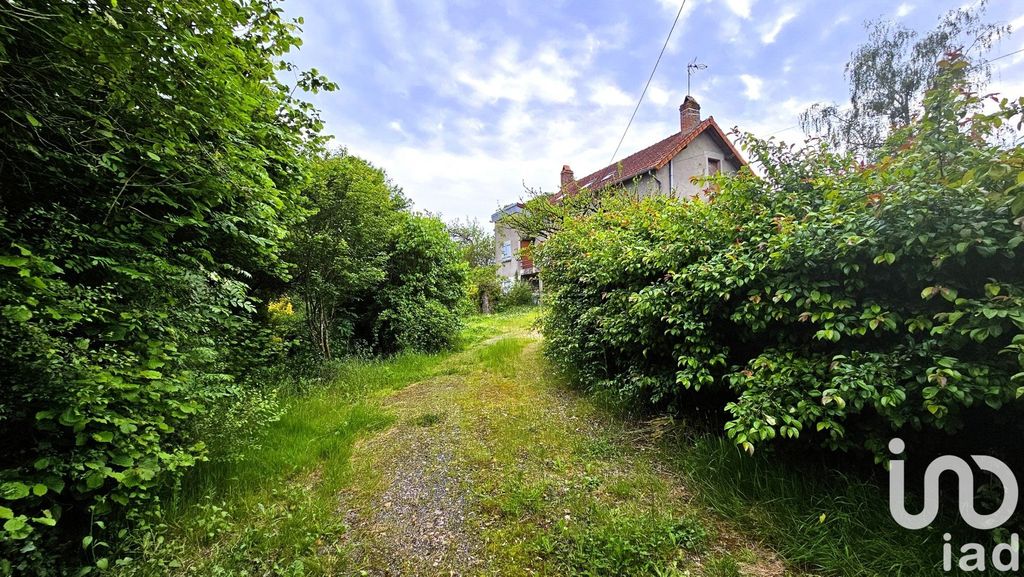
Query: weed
(428,419)
(815,518)
(621,542)
(722,566)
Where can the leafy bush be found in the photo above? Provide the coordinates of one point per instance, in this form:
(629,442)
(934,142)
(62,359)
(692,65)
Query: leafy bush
(341,250)
(371,276)
(425,283)
(151,167)
(520,294)
(825,297)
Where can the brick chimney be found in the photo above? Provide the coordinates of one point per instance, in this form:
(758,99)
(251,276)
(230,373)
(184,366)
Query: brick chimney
(568,179)
(689,114)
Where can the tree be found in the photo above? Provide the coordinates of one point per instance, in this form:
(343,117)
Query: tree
(477,246)
(890,72)
(341,250)
(151,161)
(417,307)
(477,243)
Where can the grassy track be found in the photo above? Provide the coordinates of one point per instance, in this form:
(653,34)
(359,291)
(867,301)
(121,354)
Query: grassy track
(478,463)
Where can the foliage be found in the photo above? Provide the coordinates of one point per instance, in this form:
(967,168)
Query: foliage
(519,294)
(889,73)
(274,510)
(828,299)
(418,305)
(544,214)
(624,543)
(339,252)
(813,516)
(477,247)
(150,161)
(370,274)
(476,242)
(484,288)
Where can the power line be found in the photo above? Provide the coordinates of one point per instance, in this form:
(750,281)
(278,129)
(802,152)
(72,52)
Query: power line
(1007,55)
(651,77)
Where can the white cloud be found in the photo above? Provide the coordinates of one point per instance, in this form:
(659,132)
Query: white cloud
(1017,23)
(752,86)
(546,77)
(904,9)
(604,93)
(396,126)
(672,6)
(658,95)
(769,34)
(730,30)
(780,120)
(740,8)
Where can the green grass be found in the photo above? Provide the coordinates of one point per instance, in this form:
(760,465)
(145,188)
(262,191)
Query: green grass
(623,542)
(815,518)
(479,328)
(317,429)
(503,355)
(556,482)
(272,511)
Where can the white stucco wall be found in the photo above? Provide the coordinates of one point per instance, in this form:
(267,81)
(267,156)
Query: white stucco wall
(692,161)
(508,267)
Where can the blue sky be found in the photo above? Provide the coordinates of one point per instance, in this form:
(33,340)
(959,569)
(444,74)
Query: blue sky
(463,102)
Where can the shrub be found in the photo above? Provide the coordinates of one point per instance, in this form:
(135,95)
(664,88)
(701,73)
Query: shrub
(148,179)
(425,284)
(484,290)
(519,294)
(825,297)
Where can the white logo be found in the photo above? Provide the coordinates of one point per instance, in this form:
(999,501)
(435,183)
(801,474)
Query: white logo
(965,489)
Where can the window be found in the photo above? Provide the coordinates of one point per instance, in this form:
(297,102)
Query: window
(714,166)
(506,251)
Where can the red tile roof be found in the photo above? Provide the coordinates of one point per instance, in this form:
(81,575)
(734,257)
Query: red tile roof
(654,157)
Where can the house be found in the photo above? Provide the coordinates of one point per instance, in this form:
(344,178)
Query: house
(667,167)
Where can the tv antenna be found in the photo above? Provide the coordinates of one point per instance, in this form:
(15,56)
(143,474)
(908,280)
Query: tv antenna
(692,67)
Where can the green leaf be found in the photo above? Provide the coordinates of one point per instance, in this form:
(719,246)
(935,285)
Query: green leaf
(13,490)
(39,489)
(16,526)
(32,120)
(103,436)
(13,261)
(6,513)
(17,313)
(150,374)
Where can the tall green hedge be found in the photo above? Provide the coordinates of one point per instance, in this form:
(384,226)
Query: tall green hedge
(150,162)
(827,298)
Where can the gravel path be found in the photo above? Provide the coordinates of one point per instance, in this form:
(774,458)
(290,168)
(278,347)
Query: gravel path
(419,521)
(419,506)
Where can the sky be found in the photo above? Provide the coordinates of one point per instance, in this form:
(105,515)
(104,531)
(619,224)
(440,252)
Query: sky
(467,104)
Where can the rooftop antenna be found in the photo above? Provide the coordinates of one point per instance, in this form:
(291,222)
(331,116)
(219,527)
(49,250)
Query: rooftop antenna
(692,67)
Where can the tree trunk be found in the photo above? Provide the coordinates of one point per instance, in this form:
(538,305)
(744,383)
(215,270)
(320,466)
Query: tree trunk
(485,305)
(319,326)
